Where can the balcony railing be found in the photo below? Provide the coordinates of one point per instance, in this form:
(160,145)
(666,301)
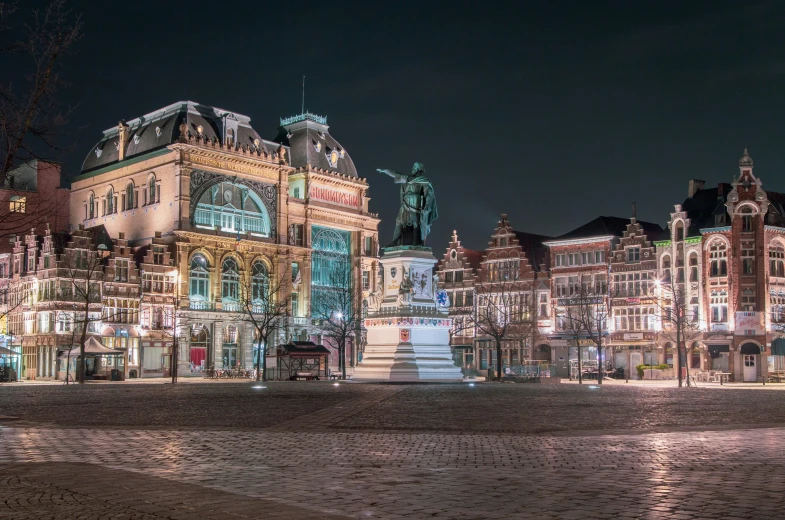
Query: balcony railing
(200,305)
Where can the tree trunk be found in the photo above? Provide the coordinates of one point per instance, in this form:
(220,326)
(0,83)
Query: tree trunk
(80,364)
(580,364)
(264,360)
(678,351)
(498,360)
(343,359)
(258,360)
(600,364)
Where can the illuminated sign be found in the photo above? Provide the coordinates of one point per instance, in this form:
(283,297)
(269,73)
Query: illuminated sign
(342,198)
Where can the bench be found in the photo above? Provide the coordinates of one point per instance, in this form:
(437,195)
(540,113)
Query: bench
(308,376)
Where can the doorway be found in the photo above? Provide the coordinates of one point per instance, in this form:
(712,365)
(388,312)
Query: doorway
(750,371)
(635,359)
(750,352)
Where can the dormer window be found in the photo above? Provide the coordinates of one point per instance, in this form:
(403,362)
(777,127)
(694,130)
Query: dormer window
(633,254)
(230,137)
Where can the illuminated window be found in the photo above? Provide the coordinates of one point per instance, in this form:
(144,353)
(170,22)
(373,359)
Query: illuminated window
(718,255)
(18,204)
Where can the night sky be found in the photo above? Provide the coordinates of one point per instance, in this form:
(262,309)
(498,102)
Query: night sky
(552,112)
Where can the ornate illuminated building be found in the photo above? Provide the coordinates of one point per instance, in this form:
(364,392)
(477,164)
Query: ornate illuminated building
(198,206)
(718,270)
(727,248)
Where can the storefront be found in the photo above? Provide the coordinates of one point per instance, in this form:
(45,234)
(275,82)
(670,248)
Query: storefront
(10,364)
(719,358)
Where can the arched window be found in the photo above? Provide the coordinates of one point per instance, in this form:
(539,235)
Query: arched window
(199,277)
(129,196)
(91,206)
(678,234)
(746,218)
(230,281)
(110,201)
(259,283)
(232,208)
(693,267)
(776,260)
(151,190)
(666,268)
(718,257)
(230,137)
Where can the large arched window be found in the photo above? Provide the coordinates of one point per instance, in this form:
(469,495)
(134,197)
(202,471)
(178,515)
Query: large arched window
(259,283)
(129,196)
(330,257)
(232,208)
(230,281)
(718,258)
(200,278)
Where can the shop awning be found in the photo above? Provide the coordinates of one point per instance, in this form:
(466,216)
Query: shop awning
(750,348)
(93,347)
(778,347)
(8,352)
(714,350)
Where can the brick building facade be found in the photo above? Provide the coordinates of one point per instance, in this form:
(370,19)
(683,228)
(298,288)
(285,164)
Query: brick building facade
(722,253)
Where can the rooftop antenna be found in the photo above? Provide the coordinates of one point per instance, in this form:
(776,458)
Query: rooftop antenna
(303,108)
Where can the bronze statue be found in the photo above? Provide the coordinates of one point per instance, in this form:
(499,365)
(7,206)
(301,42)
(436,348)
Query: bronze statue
(418,207)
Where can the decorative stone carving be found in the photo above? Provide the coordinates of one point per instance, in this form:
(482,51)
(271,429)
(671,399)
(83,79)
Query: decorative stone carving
(375,298)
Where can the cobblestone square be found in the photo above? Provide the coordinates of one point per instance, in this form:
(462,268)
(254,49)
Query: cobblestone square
(317,450)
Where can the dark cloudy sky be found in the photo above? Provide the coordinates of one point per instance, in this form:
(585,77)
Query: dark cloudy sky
(553,112)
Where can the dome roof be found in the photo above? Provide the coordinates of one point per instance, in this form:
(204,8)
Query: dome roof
(745,160)
(308,138)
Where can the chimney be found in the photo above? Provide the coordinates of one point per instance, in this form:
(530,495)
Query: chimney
(695,186)
(122,139)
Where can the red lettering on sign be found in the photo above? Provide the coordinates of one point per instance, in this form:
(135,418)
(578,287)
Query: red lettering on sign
(334,196)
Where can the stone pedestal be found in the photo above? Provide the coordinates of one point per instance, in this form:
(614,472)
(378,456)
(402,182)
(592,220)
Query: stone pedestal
(408,331)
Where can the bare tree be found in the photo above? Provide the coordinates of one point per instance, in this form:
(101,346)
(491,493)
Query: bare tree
(337,308)
(30,113)
(681,324)
(503,308)
(80,269)
(595,310)
(570,321)
(265,302)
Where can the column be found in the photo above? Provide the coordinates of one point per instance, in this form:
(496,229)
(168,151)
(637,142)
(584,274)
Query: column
(218,339)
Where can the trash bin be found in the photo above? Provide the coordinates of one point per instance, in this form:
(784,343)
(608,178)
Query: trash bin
(115,375)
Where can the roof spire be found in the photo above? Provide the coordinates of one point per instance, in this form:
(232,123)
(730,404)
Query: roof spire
(454,235)
(303,107)
(634,212)
(746,160)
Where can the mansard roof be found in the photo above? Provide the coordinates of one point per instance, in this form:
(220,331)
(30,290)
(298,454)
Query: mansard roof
(160,128)
(609,226)
(308,138)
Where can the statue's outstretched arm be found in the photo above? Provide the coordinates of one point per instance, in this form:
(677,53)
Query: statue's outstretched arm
(399,177)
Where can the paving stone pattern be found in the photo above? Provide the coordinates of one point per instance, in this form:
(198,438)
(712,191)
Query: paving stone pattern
(731,474)
(330,462)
